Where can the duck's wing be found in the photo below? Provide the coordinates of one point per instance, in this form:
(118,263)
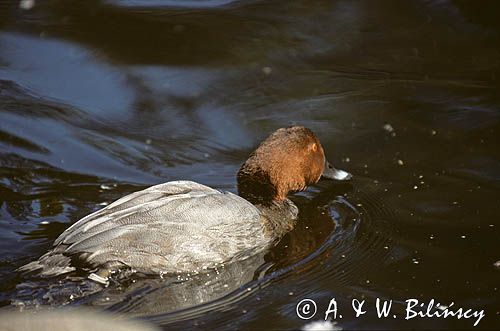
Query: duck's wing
(140,202)
(172,226)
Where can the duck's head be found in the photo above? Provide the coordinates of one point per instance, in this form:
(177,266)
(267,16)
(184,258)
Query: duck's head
(289,160)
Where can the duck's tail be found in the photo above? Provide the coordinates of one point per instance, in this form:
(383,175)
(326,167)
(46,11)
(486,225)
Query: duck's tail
(48,265)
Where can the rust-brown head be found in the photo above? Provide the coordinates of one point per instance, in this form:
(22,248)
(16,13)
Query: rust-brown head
(289,160)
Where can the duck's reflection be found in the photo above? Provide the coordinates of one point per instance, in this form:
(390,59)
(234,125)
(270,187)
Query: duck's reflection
(159,296)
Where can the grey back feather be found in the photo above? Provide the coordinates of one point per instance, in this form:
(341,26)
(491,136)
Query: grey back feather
(179,226)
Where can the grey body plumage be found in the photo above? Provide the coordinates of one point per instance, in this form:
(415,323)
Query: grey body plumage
(179,226)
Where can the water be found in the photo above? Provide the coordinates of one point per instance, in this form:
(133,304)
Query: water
(102,98)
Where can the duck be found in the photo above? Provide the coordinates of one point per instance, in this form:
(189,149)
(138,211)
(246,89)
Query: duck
(186,227)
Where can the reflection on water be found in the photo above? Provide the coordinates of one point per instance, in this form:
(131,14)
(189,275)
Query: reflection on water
(102,98)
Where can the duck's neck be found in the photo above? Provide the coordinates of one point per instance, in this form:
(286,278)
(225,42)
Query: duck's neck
(278,213)
(278,217)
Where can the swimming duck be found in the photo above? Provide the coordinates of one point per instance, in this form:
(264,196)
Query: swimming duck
(183,226)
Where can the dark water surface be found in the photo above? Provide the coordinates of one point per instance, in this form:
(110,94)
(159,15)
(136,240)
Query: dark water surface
(102,98)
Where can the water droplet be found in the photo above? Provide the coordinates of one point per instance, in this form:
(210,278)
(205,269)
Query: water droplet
(267,70)
(387,127)
(27,4)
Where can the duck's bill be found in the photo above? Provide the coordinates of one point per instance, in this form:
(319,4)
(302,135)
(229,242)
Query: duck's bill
(331,173)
